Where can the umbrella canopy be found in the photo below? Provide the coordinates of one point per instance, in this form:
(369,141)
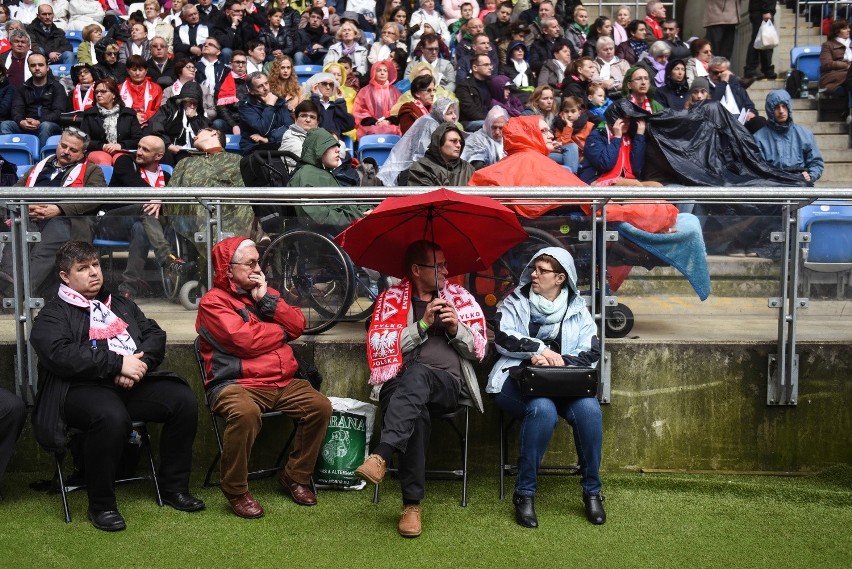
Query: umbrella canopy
(473,231)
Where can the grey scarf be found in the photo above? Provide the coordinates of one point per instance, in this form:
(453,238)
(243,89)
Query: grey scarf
(110,118)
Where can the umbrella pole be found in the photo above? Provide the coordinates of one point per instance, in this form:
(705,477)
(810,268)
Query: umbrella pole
(430,222)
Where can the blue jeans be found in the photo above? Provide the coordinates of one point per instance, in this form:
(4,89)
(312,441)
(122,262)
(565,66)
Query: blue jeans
(538,416)
(568,157)
(45,130)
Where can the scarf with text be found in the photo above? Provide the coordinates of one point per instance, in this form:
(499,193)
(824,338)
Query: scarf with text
(390,317)
(103,323)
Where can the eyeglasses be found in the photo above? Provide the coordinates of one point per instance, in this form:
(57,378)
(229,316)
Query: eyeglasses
(208,44)
(73,130)
(432,91)
(437,266)
(541,272)
(327,84)
(101,91)
(306,117)
(484,64)
(238,62)
(250,264)
(430,49)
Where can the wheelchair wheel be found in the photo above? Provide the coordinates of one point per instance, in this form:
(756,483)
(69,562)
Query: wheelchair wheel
(310,271)
(619,321)
(491,286)
(367,285)
(172,281)
(190,294)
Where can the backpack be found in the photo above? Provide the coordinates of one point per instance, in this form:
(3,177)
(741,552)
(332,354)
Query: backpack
(793,85)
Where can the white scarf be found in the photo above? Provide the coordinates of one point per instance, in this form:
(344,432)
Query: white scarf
(81,103)
(74,178)
(200,34)
(103,323)
(847,55)
(549,314)
(521,79)
(729,102)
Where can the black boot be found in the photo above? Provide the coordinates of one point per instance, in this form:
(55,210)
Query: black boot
(594,508)
(525,511)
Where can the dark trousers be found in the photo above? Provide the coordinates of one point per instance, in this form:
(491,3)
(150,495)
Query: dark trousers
(105,413)
(763,57)
(142,231)
(407,401)
(722,39)
(12,415)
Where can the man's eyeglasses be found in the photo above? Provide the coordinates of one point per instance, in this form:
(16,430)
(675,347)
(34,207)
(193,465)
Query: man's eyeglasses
(327,84)
(73,130)
(437,266)
(238,62)
(250,264)
(430,49)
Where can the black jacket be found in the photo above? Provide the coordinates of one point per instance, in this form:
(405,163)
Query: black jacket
(7,95)
(231,113)
(128,129)
(471,105)
(53,102)
(168,71)
(287,38)
(220,70)
(335,119)
(53,40)
(125,174)
(228,36)
(167,122)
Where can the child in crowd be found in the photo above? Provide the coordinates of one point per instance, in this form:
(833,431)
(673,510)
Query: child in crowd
(490,7)
(457,26)
(571,128)
(598,102)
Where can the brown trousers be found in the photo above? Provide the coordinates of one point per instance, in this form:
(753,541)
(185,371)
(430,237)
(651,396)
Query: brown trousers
(241,408)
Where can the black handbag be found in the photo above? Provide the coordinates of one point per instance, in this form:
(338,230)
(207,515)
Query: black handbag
(555,381)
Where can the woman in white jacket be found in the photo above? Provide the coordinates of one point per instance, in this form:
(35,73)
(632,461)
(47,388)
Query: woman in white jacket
(544,322)
(81,13)
(428,15)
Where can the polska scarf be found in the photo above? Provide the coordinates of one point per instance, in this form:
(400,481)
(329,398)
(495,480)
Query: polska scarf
(103,322)
(127,96)
(390,317)
(83,102)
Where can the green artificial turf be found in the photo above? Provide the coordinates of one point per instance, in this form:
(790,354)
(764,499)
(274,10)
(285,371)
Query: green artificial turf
(654,521)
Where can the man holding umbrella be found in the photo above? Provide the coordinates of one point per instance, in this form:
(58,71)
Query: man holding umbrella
(423,335)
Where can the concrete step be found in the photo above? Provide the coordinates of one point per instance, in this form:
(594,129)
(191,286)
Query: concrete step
(836,174)
(837,156)
(834,142)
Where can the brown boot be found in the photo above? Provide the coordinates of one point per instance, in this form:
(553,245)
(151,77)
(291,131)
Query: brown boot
(409,521)
(373,469)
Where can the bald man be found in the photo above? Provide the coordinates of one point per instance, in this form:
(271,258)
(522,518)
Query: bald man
(140,224)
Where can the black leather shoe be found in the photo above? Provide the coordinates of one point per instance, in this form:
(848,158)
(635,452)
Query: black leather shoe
(594,509)
(525,511)
(183,501)
(107,520)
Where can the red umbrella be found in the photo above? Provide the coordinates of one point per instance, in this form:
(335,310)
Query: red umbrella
(473,231)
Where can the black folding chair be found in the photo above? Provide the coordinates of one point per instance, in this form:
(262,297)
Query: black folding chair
(459,421)
(215,420)
(142,430)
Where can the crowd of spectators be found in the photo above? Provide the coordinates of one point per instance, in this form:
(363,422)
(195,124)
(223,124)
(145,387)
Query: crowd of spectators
(389,67)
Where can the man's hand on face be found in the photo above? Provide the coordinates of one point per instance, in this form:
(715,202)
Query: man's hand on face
(259,291)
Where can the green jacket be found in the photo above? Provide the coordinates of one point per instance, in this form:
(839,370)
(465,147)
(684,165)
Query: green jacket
(433,170)
(312,174)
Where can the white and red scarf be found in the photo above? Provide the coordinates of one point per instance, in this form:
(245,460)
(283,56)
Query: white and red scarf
(74,179)
(83,102)
(127,97)
(160,182)
(390,317)
(103,322)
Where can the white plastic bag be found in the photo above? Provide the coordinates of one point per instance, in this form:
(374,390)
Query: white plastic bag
(767,36)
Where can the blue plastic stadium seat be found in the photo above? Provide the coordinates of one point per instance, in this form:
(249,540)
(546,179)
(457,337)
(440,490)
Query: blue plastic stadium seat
(75,37)
(232,143)
(19,148)
(50,146)
(828,255)
(376,146)
(350,146)
(304,72)
(806,59)
(60,70)
(23,169)
(107,170)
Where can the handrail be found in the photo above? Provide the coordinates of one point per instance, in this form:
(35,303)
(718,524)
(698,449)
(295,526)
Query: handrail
(609,193)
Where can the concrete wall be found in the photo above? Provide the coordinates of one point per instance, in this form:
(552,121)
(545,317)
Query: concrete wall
(687,406)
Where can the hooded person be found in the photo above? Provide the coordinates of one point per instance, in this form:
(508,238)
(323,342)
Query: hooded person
(179,120)
(545,322)
(442,165)
(675,90)
(373,103)
(416,70)
(414,143)
(501,88)
(518,69)
(526,163)
(244,329)
(325,91)
(320,156)
(485,146)
(786,145)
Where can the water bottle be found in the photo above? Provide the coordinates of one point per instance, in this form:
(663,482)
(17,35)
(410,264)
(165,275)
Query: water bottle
(803,90)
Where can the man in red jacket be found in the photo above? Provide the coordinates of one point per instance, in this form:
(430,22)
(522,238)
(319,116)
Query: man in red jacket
(250,368)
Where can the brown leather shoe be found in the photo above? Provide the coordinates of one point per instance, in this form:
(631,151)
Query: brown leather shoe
(409,522)
(300,493)
(244,505)
(373,469)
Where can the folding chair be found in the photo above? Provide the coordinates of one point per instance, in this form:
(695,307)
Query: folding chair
(512,469)
(19,149)
(253,475)
(141,429)
(376,146)
(460,415)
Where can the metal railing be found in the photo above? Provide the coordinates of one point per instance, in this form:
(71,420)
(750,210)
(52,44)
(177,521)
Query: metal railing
(782,385)
(816,9)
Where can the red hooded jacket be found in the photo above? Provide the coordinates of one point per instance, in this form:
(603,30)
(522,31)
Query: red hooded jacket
(243,341)
(526,164)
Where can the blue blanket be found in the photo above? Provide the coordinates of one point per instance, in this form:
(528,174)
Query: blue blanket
(684,249)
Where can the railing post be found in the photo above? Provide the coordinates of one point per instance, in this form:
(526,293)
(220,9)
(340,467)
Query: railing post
(783,367)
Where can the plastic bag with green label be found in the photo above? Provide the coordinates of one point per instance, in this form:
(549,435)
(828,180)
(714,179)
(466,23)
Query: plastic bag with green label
(346,443)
